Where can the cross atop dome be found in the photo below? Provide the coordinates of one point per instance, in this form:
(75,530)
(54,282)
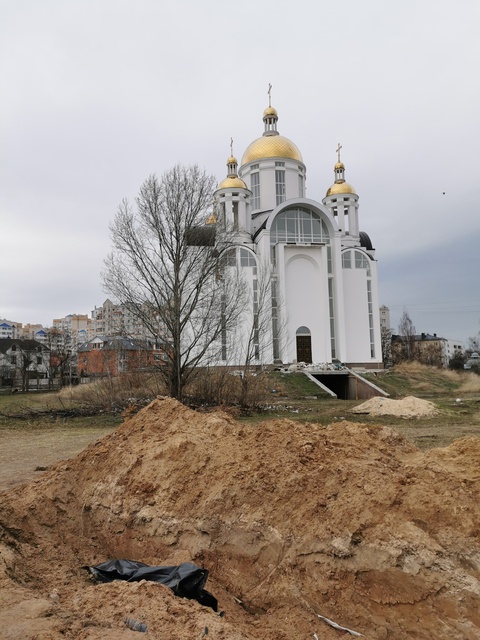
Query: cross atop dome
(338,151)
(232,160)
(339,186)
(270,116)
(271,144)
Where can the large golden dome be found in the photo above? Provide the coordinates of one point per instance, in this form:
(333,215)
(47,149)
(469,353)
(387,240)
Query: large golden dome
(232,182)
(341,187)
(271,147)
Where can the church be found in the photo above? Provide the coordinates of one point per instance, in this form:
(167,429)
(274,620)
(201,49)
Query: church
(320,304)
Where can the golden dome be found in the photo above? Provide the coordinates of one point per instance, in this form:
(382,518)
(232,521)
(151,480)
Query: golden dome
(212,219)
(232,160)
(341,187)
(270,111)
(271,147)
(339,165)
(232,182)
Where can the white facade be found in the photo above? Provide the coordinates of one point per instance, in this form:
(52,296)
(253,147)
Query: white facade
(8,329)
(323,296)
(385,318)
(452,348)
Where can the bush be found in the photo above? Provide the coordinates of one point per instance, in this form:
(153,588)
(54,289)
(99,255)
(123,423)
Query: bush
(223,386)
(457,362)
(113,395)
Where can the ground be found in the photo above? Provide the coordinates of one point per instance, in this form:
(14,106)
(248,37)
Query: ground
(346,520)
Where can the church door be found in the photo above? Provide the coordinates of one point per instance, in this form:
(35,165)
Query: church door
(304,349)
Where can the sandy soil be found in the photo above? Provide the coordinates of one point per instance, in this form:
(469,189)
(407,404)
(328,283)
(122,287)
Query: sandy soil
(348,521)
(409,407)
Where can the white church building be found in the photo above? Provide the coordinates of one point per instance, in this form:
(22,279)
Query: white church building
(323,302)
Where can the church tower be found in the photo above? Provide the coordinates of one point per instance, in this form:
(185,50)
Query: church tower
(272,166)
(342,201)
(231,201)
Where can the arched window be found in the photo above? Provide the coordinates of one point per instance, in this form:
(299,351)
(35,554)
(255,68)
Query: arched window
(239,257)
(299,225)
(247,259)
(362,262)
(352,259)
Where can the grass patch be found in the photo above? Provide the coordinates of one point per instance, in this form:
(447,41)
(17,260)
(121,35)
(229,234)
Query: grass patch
(423,381)
(294,385)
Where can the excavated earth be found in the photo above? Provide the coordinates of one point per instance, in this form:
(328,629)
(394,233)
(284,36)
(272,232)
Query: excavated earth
(348,521)
(409,407)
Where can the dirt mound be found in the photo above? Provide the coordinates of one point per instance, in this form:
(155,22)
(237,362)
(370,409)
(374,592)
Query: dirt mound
(409,407)
(347,521)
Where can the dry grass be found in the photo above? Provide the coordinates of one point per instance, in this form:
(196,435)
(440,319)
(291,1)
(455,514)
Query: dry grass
(113,393)
(417,379)
(413,368)
(465,380)
(471,383)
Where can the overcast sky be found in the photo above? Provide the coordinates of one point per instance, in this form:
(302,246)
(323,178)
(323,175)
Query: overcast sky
(98,94)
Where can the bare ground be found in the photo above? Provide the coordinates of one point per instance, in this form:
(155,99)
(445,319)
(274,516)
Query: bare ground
(349,521)
(27,450)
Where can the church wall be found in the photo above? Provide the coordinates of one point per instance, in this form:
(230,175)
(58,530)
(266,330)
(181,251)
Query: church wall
(376,312)
(267,186)
(339,301)
(291,179)
(357,331)
(306,299)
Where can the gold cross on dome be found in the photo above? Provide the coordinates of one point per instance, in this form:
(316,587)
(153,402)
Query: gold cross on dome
(231,147)
(269,95)
(338,151)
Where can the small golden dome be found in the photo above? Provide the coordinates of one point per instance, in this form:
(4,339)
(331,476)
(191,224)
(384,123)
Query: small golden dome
(271,147)
(339,165)
(232,160)
(270,111)
(341,187)
(232,182)
(212,219)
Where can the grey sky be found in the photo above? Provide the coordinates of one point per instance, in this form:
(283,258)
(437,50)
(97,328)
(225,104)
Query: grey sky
(98,94)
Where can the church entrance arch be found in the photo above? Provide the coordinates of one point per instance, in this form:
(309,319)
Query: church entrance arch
(304,345)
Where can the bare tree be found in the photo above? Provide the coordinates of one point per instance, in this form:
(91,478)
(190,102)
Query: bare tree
(30,361)
(167,267)
(473,343)
(406,345)
(431,353)
(60,360)
(258,334)
(386,338)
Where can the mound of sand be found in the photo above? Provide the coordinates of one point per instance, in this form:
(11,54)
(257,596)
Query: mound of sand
(347,521)
(409,407)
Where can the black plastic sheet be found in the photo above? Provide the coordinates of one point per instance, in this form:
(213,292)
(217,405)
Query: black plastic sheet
(185,580)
